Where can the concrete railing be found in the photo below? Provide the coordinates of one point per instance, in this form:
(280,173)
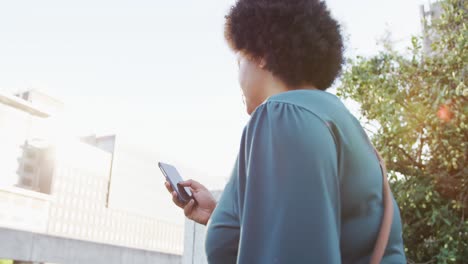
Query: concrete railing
(24,210)
(35,247)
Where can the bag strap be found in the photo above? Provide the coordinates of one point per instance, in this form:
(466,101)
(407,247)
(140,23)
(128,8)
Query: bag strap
(387,218)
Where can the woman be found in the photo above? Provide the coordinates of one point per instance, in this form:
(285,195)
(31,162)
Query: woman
(307,185)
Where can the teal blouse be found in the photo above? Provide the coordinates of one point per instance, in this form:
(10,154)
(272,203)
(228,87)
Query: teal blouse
(306,188)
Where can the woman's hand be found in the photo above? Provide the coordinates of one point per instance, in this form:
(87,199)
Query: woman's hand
(202,204)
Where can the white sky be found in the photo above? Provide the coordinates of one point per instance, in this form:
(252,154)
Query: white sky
(158,73)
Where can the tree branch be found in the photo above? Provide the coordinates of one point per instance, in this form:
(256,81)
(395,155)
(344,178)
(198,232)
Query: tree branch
(418,164)
(428,262)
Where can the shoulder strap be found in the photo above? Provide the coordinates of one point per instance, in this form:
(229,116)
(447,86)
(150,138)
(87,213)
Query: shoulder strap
(386,224)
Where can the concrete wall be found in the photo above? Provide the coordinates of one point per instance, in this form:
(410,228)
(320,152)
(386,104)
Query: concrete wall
(28,246)
(23,209)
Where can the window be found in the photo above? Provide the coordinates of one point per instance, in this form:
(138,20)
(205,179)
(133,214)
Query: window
(31,154)
(58,226)
(59,213)
(26,181)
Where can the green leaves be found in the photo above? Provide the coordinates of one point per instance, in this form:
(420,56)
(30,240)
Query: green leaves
(420,106)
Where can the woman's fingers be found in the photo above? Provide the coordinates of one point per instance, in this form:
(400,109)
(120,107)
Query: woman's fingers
(168,187)
(189,208)
(192,184)
(176,200)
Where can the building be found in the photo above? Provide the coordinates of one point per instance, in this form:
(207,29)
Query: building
(42,101)
(81,187)
(54,193)
(433,12)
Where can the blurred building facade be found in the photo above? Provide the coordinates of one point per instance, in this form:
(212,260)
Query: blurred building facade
(432,12)
(60,186)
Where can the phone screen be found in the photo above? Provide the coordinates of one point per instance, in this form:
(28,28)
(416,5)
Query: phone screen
(173,177)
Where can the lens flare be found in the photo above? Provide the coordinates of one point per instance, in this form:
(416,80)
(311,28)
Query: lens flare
(444,113)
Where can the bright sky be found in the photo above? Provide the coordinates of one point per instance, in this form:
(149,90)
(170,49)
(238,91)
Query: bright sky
(158,73)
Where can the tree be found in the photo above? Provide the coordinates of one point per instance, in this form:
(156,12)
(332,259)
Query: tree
(419,103)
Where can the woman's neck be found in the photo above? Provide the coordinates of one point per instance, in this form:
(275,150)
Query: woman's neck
(276,86)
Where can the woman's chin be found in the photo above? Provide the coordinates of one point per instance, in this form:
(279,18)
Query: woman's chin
(250,110)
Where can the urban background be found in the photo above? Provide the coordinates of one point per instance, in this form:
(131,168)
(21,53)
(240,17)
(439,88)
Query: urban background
(64,198)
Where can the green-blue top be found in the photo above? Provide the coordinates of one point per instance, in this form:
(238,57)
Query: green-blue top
(306,188)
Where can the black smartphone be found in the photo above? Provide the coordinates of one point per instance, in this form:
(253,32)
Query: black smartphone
(173,177)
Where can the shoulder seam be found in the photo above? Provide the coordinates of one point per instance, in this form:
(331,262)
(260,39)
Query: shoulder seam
(306,109)
(301,107)
(311,112)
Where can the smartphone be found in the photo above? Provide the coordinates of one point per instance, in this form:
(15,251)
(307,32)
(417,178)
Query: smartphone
(173,177)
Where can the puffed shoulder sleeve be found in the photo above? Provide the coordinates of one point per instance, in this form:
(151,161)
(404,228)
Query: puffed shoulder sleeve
(288,188)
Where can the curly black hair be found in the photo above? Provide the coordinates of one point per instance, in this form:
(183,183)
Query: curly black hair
(299,41)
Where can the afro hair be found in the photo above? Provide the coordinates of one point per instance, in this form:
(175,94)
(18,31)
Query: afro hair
(299,41)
